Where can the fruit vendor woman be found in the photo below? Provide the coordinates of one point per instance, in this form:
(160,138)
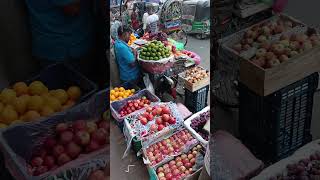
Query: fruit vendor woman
(125,57)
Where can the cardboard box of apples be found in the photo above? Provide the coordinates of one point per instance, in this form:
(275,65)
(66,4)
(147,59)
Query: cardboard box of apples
(58,144)
(152,123)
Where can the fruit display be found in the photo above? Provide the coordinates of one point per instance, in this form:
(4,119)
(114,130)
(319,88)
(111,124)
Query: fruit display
(198,124)
(196,74)
(180,167)
(154,51)
(119,93)
(308,168)
(132,39)
(171,146)
(160,114)
(23,103)
(69,141)
(271,55)
(134,105)
(259,34)
(100,174)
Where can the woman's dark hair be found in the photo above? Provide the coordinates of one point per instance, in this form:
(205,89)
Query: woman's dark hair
(122,30)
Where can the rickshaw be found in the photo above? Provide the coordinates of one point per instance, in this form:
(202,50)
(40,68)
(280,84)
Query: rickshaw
(196,17)
(170,15)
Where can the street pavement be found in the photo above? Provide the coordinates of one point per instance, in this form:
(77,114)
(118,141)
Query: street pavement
(202,48)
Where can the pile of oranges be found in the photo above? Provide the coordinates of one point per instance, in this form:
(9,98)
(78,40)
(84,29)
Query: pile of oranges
(119,93)
(132,39)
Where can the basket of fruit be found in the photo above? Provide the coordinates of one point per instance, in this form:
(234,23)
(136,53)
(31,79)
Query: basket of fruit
(196,123)
(123,108)
(152,123)
(44,95)
(195,78)
(57,144)
(124,91)
(168,147)
(179,167)
(155,57)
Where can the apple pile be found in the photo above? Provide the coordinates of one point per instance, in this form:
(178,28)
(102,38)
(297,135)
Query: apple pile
(168,147)
(162,116)
(199,122)
(180,167)
(196,74)
(188,53)
(271,55)
(261,33)
(71,140)
(134,105)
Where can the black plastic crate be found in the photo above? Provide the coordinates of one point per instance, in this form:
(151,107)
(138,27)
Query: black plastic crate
(196,101)
(274,126)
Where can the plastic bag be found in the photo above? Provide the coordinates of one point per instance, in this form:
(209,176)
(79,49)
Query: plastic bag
(148,83)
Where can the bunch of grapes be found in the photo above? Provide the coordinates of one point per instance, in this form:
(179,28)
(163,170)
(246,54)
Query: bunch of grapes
(305,169)
(198,123)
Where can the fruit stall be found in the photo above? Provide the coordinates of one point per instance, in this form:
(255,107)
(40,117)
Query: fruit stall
(162,139)
(54,126)
(277,63)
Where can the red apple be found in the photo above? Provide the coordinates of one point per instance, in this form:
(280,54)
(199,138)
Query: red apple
(171,163)
(160,174)
(160,127)
(82,138)
(172,120)
(104,125)
(57,150)
(49,161)
(149,117)
(66,137)
(93,146)
(165,110)
(159,111)
(165,166)
(179,163)
(165,117)
(73,150)
(50,143)
(190,156)
(61,127)
(99,136)
(149,109)
(176,172)
(188,165)
(145,114)
(193,161)
(167,170)
(63,159)
(186,160)
(154,112)
(178,159)
(79,125)
(160,169)
(173,167)
(169,176)
(159,121)
(153,127)
(36,161)
(182,168)
(144,121)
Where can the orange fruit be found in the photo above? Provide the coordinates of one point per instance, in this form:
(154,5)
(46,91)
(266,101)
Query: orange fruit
(37,88)
(31,116)
(35,103)
(7,96)
(20,88)
(74,92)
(47,111)
(8,115)
(61,95)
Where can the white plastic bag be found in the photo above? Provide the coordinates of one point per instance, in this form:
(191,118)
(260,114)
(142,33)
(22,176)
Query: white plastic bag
(148,83)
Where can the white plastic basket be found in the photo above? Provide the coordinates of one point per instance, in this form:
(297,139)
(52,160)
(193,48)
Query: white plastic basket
(194,133)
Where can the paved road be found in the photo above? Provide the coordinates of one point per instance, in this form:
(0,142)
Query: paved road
(202,48)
